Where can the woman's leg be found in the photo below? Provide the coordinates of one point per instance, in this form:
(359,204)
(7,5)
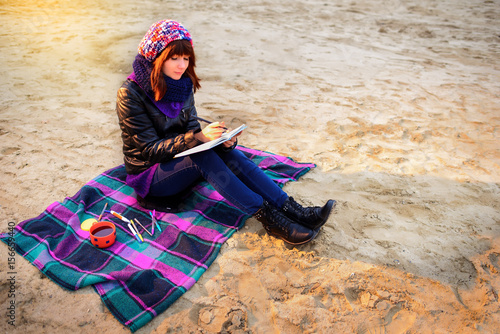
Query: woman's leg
(254,178)
(173,177)
(176,175)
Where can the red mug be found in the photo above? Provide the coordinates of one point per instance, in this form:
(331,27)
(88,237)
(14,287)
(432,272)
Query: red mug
(103,234)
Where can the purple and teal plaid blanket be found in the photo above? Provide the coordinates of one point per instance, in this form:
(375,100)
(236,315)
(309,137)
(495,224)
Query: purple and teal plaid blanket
(137,281)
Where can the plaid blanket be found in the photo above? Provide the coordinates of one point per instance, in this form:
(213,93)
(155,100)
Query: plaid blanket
(137,281)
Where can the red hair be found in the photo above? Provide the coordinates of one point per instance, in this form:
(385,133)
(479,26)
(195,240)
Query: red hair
(179,48)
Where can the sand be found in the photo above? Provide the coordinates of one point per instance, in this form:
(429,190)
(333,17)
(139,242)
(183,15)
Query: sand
(397,102)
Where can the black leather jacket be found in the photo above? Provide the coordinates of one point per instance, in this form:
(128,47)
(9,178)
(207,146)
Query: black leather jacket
(148,135)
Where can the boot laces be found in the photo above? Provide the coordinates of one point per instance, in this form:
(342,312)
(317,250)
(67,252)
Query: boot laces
(305,211)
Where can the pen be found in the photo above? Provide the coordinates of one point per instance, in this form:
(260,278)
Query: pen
(152,222)
(202,119)
(134,232)
(135,228)
(207,121)
(132,229)
(156,222)
(119,216)
(102,212)
(158,225)
(137,221)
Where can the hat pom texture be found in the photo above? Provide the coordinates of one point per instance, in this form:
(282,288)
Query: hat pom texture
(159,35)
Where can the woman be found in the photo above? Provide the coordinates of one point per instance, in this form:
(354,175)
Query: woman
(157,116)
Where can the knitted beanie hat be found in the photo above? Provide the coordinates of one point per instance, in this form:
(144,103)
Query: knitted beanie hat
(159,35)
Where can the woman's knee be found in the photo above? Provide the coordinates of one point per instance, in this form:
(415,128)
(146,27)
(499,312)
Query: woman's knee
(201,158)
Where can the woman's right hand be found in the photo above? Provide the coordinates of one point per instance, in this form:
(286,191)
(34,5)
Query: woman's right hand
(211,131)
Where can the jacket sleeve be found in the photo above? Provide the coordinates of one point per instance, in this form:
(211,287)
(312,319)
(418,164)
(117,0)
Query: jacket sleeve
(138,130)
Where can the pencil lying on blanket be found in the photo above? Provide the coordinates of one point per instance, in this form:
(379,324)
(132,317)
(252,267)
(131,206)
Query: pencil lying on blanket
(137,230)
(152,222)
(137,221)
(102,212)
(155,222)
(134,232)
(119,216)
(157,225)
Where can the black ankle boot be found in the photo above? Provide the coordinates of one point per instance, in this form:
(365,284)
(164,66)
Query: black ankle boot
(281,227)
(312,217)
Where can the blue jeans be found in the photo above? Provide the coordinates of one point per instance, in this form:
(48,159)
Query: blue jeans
(232,174)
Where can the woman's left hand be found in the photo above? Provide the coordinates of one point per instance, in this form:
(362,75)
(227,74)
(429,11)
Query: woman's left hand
(231,141)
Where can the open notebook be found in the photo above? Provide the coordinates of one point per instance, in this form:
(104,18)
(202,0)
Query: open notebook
(208,145)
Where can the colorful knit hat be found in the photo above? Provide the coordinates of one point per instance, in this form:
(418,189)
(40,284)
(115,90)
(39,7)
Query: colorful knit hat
(159,36)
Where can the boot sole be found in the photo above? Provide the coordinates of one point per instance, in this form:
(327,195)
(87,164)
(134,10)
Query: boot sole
(315,234)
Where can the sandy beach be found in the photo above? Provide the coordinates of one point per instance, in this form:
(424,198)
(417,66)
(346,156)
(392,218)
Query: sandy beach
(396,102)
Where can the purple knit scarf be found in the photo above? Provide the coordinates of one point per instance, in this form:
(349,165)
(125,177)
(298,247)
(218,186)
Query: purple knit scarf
(177,93)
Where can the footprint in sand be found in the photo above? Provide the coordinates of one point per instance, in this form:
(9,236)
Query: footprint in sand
(10,150)
(493,257)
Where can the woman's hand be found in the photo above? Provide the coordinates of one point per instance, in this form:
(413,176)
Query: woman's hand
(211,131)
(231,141)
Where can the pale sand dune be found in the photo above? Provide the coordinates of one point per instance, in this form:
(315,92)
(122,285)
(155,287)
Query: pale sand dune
(397,102)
